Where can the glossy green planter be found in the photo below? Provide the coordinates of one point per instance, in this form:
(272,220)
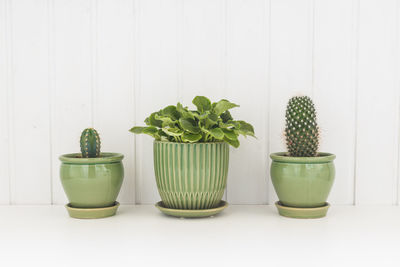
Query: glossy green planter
(191,176)
(303,182)
(92,182)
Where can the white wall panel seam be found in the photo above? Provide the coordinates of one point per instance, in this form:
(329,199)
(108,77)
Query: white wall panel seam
(312,48)
(10,96)
(8,47)
(356,20)
(138,147)
(266,145)
(224,63)
(179,43)
(134,93)
(397,85)
(51,85)
(93,58)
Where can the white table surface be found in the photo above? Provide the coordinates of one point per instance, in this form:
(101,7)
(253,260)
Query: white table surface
(240,236)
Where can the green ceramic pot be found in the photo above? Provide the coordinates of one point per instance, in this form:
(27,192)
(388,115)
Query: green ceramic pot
(191,176)
(92,182)
(303,182)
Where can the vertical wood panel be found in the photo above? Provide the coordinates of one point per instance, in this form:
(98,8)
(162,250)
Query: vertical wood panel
(291,64)
(114,102)
(203,47)
(31,183)
(156,86)
(377,122)
(4,89)
(334,88)
(72,95)
(247,84)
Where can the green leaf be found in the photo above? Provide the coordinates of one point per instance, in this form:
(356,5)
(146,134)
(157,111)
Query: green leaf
(171,112)
(151,130)
(201,116)
(190,137)
(226,116)
(172,131)
(213,117)
(184,112)
(152,121)
(217,133)
(189,125)
(202,103)
(230,134)
(137,129)
(229,124)
(245,128)
(162,134)
(180,108)
(166,121)
(234,143)
(223,105)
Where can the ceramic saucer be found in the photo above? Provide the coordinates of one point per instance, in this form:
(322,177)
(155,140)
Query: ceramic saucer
(92,213)
(192,213)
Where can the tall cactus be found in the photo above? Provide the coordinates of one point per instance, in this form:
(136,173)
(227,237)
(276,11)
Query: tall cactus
(302,132)
(90,143)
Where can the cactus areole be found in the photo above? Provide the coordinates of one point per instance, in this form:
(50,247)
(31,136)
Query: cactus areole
(301,132)
(90,143)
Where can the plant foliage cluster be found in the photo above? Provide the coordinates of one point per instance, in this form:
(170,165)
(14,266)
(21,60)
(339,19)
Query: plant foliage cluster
(211,122)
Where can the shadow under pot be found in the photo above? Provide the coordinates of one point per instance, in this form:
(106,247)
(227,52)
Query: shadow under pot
(191,177)
(302,184)
(92,184)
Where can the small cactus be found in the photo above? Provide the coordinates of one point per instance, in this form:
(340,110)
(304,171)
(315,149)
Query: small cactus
(302,132)
(90,143)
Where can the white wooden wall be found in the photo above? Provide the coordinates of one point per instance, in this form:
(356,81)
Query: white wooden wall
(69,64)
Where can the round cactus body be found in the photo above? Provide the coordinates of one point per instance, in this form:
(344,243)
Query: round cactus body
(90,143)
(302,133)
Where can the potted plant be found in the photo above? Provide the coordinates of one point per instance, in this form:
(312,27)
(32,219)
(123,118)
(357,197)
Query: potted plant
(91,180)
(191,155)
(302,177)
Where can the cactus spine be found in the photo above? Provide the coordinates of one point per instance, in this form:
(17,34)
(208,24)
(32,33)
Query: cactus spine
(90,143)
(302,133)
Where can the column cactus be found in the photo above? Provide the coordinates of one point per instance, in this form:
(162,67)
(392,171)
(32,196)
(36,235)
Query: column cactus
(301,132)
(90,143)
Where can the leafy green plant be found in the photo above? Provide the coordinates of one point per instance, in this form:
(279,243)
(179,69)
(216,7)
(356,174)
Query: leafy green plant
(90,143)
(211,122)
(302,132)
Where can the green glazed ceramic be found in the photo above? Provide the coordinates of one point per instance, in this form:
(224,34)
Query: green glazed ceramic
(92,213)
(192,213)
(92,182)
(302,182)
(302,213)
(191,176)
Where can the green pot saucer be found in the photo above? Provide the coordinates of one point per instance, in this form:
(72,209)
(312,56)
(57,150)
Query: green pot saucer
(192,213)
(302,213)
(92,213)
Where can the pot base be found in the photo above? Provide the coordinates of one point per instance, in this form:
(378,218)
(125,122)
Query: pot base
(302,213)
(92,213)
(191,213)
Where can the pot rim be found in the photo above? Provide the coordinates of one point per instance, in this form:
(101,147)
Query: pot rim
(183,143)
(105,157)
(323,157)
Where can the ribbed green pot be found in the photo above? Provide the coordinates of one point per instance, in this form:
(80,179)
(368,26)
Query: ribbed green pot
(92,182)
(191,176)
(303,182)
